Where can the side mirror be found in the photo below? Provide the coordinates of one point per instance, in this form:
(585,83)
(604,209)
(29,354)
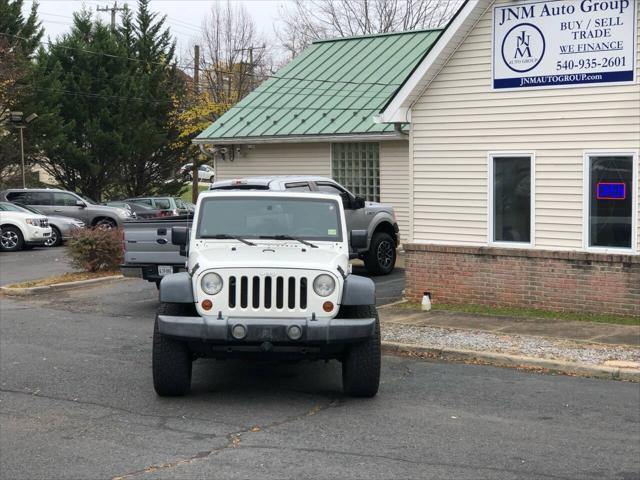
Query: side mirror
(346,200)
(180,237)
(358,239)
(358,203)
(81,204)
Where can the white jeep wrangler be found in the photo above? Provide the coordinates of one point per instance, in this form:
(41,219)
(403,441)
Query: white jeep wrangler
(268,274)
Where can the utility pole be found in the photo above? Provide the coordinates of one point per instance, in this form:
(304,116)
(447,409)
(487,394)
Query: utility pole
(24,183)
(113,11)
(196,88)
(252,68)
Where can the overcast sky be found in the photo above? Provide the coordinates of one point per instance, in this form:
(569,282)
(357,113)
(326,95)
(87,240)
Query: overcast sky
(184,17)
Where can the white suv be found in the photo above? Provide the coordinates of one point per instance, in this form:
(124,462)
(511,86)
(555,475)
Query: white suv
(20,229)
(268,275)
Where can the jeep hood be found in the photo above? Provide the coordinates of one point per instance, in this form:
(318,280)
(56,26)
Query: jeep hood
(265,255)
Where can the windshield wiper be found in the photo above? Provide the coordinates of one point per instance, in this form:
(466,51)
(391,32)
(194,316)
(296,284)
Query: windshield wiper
(224,236)
(289,237)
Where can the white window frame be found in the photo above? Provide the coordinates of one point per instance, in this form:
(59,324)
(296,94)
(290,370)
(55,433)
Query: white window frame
(586,186)
(490,200)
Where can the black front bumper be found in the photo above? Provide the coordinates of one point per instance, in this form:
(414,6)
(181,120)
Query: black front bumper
(273,330)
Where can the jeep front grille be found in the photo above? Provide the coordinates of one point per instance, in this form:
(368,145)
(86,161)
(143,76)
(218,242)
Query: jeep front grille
(266,292)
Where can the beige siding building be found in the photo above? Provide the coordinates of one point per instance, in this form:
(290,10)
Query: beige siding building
(535,181)
(315,117)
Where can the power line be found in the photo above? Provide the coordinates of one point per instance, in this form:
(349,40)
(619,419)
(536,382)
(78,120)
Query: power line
(189,67)
(98,95)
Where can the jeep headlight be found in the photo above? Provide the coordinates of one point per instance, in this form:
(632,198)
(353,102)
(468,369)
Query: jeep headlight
(324,285)
(211,283)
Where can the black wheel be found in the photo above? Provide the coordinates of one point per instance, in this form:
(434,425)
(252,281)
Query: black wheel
(105,224)
(55,239)
(361,361)
(172,359)
(11,239)
(381,257)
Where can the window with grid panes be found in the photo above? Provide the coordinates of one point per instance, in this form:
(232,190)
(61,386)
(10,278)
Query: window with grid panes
(357,167)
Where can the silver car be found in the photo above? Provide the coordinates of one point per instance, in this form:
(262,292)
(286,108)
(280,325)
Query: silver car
(61,227)
(53,201)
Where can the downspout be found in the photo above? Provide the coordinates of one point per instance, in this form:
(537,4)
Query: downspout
(398,129)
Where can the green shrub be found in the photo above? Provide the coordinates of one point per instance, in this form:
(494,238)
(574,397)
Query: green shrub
(96,250)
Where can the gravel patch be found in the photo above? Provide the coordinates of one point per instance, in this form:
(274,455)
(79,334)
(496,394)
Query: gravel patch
(540,347)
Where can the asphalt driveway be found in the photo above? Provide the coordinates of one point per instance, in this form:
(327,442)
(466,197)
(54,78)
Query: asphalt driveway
(77,402)
(31,264)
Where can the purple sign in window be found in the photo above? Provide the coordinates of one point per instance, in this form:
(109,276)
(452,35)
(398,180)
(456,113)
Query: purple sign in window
(611,191)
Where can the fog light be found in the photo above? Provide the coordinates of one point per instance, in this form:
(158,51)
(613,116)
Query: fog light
(207,304)
(294,332)
(239,332)
(327,306)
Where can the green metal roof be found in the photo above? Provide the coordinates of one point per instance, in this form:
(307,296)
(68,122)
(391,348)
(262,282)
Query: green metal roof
(333,88)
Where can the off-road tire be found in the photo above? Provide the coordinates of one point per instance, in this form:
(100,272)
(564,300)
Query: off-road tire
(172,359)
(380,259)
(361,361)
(12,239)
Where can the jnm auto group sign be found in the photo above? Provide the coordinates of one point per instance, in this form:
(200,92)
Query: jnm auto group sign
(563,43)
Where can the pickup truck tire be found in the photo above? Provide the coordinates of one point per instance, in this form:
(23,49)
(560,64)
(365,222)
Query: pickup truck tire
(380,259)
(11,239)
(361,361)
(172,359)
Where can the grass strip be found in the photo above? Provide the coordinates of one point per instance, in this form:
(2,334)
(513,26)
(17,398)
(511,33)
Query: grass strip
(528,313)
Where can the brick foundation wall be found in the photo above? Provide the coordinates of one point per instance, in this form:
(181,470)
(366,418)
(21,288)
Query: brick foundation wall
(551,280)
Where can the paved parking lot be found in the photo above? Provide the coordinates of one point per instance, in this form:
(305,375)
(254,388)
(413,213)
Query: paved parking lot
(30,264)
(77,402)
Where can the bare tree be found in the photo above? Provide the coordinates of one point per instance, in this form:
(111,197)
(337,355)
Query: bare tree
(309,20)
(235,56)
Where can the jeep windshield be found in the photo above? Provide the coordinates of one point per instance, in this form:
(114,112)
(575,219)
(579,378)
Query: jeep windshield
(278,218)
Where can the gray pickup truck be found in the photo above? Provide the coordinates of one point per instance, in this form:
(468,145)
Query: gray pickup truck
(149,253)
(378,219)
(148,249)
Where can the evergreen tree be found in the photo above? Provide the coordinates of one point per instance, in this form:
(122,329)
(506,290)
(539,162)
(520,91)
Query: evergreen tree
(153,154)
(106,96)
(19,38)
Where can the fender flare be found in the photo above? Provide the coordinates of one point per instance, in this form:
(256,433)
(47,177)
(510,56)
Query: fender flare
(358,290)
(176,288)
(379,219)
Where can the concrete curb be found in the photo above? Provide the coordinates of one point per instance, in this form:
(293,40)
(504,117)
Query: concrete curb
(513,361)
(57,286)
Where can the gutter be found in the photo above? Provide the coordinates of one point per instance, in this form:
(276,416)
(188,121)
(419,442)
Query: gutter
(374,137)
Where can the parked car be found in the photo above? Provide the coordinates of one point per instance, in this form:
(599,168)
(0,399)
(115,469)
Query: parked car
(148,249)
(379,254)
(268,276)
(205,172)
(21,229)
(53,201)
(137,209)
(61,227)
(168,206)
